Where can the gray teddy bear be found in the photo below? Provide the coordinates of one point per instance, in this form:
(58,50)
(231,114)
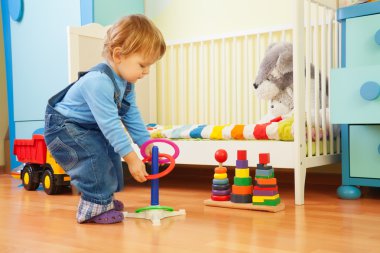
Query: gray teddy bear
(274,81)
(275,71)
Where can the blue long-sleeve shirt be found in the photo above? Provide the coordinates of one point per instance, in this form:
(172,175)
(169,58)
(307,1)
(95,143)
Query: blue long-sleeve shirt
(91,100)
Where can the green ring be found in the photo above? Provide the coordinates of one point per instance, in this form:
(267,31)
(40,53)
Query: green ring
(166,208)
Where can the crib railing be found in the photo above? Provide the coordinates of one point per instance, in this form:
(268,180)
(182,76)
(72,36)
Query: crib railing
(321,41)
(209,80)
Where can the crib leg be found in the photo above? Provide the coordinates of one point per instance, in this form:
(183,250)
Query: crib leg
(299,184)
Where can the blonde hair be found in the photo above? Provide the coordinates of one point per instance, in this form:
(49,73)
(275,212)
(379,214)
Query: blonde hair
(134,34)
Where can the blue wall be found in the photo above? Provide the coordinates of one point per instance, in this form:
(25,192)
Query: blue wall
(39,56)
(36,60)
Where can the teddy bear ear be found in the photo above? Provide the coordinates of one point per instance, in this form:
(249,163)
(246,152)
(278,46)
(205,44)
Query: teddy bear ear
(285,62)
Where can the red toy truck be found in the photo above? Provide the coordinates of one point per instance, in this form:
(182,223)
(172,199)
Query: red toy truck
(39,166)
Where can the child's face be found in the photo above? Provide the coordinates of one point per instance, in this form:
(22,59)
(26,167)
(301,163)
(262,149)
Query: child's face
(132,67)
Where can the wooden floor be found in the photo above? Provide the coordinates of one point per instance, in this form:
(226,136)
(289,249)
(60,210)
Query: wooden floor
(36,222)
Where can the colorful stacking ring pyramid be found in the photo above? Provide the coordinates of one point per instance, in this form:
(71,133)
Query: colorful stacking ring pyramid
(221,189)
(265,191)
(242,187)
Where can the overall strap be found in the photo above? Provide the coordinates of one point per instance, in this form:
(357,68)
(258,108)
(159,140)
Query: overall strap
(125,105)
(128,89)
(104,68)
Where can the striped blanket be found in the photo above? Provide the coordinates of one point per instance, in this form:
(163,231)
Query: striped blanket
(280,128)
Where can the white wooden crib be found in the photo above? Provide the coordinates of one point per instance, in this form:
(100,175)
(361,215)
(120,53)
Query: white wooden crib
(209,80)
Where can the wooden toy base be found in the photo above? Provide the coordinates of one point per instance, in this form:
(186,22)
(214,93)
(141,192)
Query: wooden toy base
(248,206)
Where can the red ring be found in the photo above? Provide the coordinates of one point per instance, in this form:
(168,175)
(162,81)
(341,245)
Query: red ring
(165,172)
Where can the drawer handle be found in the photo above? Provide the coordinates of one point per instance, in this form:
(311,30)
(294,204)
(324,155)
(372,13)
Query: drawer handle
(377,37)
(378,149)
(370,91)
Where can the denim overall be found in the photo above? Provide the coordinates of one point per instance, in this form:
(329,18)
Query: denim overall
(83,151)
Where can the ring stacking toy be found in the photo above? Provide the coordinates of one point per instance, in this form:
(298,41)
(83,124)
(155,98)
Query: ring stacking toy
(155,212)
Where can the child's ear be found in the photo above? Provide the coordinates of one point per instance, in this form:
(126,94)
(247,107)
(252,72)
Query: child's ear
(116,54)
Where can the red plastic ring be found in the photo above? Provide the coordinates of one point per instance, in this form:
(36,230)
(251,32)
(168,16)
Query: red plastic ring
(165,172)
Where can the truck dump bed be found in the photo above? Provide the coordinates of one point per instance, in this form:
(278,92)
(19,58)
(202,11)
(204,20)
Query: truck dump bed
(30,151)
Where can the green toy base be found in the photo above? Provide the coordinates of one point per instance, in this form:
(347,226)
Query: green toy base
(165,208)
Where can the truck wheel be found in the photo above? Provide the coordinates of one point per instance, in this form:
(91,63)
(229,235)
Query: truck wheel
(27,179)
(50,187)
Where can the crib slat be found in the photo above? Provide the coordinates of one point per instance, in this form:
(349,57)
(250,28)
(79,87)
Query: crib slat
(240,98)
(250,74)
(191,84)
(162,107)
(211,95)
(227,74)
(323,81)
(233,83)
(247,86)
(330,43)
(201,84)
(172,88)
(206,82)
(308,77)
(181,87)
(257,62)
(317,79)
(224,81)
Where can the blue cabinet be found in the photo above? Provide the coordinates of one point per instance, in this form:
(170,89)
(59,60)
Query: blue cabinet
(355,97)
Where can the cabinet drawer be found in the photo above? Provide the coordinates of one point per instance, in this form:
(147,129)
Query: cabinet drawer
(347,104)
(362,48)
(364,151)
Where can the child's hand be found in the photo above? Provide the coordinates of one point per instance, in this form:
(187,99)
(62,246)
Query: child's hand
(136,167)
(148,149)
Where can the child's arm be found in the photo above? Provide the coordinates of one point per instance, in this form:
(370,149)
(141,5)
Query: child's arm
(134,122)
(98,92)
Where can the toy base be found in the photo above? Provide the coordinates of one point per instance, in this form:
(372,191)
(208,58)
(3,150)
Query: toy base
(155,215)
(248,206)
